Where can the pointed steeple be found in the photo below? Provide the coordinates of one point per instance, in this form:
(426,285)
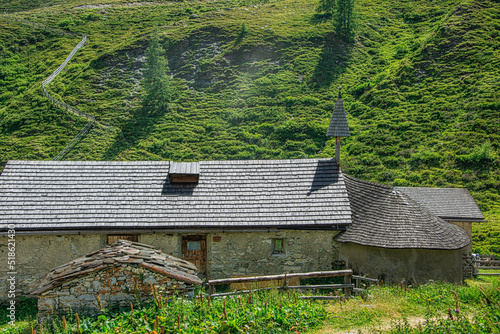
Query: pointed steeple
(338,125)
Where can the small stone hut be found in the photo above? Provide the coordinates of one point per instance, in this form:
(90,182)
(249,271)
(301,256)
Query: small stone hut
(114,276)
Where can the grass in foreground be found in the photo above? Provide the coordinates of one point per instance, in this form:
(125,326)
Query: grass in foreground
(432,308)
(256,313)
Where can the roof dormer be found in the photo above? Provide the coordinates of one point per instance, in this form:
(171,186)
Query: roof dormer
(184,172)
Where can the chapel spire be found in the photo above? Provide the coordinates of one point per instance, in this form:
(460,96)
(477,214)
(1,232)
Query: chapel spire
(338,125)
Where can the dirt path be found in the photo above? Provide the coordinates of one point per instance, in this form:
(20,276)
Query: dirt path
(386,325)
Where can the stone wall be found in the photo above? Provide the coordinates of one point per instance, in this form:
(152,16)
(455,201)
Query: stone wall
(467,259)
(36,255)
(404,265)
(116,287)
(231,254)
(242,254)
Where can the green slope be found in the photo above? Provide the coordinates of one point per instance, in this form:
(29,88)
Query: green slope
(421,84)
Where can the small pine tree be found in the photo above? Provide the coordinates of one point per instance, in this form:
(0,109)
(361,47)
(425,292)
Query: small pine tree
(244,29)
(344,19)
(326,6)
(156,80)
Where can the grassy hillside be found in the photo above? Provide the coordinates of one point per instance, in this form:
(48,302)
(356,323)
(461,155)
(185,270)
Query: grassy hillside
(257,80)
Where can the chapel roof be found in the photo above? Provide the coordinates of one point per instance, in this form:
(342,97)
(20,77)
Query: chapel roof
(75,195)
(338,123)
(383,216)
(121,252)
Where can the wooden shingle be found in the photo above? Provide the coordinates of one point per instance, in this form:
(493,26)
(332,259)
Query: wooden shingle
(452,204)
(338,124)
(385,217)
(58,195)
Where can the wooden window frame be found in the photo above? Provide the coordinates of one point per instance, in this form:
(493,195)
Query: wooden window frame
(114,237)
(274,246)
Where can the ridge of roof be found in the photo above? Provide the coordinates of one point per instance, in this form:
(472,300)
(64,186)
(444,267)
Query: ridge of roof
(383,216)
(118,253)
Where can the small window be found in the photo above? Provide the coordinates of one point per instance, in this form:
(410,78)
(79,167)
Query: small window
(130,237)
(194,245)
(278,246)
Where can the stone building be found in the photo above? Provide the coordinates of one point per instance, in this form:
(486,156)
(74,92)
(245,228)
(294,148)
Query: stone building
(395,238)
(230,218)
(112,277)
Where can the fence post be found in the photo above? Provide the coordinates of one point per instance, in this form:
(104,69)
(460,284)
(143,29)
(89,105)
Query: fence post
(348,280)
(285,284)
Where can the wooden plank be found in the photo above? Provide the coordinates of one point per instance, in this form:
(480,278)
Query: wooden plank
(262,284)
(323,297)
(489,268)
(374,280)
(347,272)
(241,292)
(180,178)
(488,261)
(488,256)
(487,274)
(326,286)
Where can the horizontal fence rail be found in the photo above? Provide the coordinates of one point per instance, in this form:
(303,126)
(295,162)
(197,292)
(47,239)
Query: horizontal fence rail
(91,119)
(348,287)
(486,263)
(314,274)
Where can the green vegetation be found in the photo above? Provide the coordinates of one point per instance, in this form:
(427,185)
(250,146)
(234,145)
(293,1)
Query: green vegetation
(156,80)
(431,308)
(26,310)
(268,312)
(255,80)
(344,19)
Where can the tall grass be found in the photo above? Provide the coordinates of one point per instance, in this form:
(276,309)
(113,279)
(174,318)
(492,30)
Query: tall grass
(432,308)
(267,312)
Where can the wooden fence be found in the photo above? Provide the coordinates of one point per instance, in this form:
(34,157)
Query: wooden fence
(486,262)
(348,287)
(91,119)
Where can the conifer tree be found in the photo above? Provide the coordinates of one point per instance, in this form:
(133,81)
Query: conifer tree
(326,6)
(344,19)
(156,79)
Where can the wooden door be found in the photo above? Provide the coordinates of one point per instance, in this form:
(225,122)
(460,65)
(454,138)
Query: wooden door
(194,250)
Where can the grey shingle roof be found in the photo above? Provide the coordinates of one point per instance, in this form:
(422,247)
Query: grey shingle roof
(338,124)
(386,217)
(447,203)
(52,195)
(118,253)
